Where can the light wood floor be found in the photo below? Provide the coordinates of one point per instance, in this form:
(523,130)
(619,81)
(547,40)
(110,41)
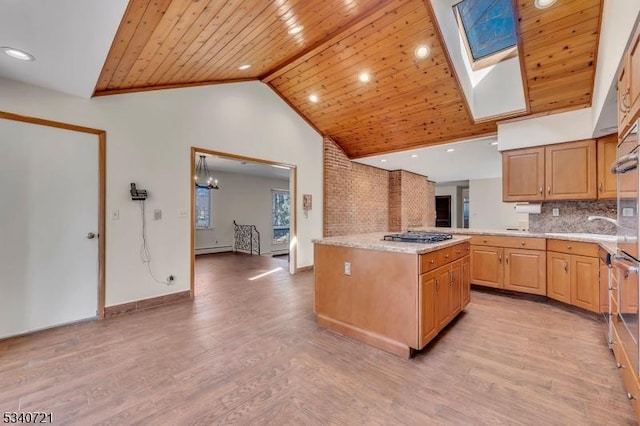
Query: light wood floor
(249,352)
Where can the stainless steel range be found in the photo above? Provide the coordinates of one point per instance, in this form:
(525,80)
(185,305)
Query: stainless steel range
(418,237)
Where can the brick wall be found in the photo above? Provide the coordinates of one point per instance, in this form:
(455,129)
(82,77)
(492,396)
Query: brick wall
(356,197)
(360,198)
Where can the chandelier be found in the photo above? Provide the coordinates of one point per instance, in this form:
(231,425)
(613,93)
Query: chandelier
(203,178)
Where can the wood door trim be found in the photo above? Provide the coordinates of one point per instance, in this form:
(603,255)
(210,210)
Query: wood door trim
(102,148)
(192,248)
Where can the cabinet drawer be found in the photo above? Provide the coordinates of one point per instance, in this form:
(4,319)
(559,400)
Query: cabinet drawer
(431,261)
(509,242)
(460,251)
(573,247)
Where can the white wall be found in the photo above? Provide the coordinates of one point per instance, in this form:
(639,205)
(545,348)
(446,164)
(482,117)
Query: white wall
(504,78)
(486,209)
(453,191)
(548,129)
(245,199)
(149,136)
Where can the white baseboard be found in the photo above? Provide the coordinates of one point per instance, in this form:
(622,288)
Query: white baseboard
(210,250)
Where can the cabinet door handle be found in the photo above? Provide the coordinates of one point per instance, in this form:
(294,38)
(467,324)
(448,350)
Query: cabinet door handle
(600,187)
(437,286)
(453,277)
(569,247)
(566,267)
(522,243)
(540,190)
(506,258)
(431,262)
(549,190)
(626,106)
(499,258)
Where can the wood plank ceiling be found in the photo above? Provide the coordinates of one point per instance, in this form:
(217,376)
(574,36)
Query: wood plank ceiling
(407,103)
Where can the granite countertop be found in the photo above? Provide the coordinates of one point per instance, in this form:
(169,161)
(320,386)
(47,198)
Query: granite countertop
(583,237)
(374,241)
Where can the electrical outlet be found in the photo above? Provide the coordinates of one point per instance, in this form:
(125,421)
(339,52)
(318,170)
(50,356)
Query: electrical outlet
(157,214)
(171,279)
(182,213)
(627,212)
(555,212)
(347,268)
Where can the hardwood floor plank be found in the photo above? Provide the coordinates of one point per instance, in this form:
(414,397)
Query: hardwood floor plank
(250,352)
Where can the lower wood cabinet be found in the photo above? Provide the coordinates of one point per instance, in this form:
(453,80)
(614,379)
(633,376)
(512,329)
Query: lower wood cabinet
(508,268)
(574,279)
(444,292)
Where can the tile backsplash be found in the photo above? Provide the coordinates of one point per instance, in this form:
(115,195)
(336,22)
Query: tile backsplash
(573,217)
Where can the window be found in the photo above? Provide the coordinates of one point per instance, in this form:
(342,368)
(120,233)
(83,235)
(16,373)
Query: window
(280,212)
(203,208)
(488,30)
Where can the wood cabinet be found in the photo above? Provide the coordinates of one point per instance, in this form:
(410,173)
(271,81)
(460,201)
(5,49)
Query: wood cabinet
(572,275)
(465,278)
(558,279)
(570,171)
(607,181)
(629,85)
(525,271)
(442,296)
(523,174)
(501,262)
(455,289)
(564,171)
(428,327)
(486,266)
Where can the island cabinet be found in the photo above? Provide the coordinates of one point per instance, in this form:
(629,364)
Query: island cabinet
(510,263)
(394,300)
(564,171)
(573,273)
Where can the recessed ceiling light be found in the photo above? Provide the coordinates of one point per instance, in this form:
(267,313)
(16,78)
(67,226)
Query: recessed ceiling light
(313,98)
(17,53)
(364,77)
(384,160)
(494,143)
(414,155)
(543,4)
(244,67)
(295,30)
(450,149)
(422,51)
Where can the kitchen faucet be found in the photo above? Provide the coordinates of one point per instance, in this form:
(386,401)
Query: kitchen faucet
(608,219)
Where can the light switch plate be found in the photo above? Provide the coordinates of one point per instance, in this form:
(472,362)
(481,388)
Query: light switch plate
(115,214)
(555,212)
(157,214)
(627,212)
(347,268)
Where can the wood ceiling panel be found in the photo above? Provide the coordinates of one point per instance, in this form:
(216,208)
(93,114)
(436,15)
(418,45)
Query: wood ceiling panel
(408,102)
(405,97)
(559,52)
(181,42)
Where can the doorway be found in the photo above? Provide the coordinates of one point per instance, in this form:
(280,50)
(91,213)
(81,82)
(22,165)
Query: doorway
(52,222)
(443,211)
(254,203)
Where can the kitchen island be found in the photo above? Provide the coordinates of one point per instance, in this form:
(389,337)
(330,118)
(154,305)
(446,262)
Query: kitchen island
(396,296)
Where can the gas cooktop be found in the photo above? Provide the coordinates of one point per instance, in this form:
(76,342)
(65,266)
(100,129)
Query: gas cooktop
(418,237)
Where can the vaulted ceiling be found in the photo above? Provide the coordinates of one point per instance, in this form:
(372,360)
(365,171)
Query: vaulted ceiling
(408,102)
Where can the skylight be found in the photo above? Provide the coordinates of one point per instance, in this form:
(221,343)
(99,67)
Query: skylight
(488,30)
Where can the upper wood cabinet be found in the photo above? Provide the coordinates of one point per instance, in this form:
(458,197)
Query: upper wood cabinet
(565,171)
(570,171)
(523,174)
(607,181)
(629,85)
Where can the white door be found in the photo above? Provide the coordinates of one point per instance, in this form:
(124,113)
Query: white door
(48,204)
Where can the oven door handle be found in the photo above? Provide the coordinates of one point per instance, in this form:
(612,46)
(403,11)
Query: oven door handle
(619,166)
(624,264)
